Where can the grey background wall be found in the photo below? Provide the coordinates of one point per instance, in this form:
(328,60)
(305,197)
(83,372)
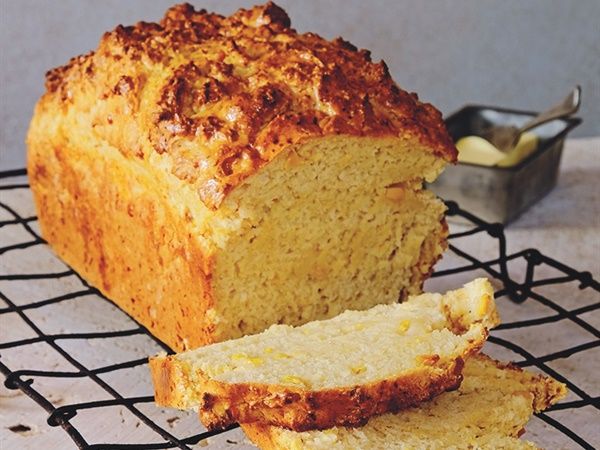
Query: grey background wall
(515,53)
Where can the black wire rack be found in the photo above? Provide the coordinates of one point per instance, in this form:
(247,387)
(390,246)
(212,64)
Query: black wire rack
(529,286)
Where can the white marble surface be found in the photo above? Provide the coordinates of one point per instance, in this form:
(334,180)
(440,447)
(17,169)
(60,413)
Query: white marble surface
(565,226)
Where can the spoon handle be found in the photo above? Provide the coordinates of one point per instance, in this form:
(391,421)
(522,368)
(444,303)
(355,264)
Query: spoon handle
(569,105)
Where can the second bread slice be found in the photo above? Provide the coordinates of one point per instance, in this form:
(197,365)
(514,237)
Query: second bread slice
(340,371)
(488,411)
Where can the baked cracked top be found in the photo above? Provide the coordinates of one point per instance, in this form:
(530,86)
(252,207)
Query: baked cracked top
(214,98)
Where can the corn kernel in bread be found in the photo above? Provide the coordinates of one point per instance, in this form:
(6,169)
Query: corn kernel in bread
(339,371)
(488,411)
(216,175)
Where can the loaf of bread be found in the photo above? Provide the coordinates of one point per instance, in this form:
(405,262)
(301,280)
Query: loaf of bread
(339,371)
(217,175)
(488,411)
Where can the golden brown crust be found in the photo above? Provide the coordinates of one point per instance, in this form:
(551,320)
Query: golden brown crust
(546,390)
(215,98)
(223,404)
(263,436)
(133,250)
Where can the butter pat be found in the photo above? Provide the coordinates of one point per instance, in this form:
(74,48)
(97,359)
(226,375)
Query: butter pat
(476,150)
(527,144)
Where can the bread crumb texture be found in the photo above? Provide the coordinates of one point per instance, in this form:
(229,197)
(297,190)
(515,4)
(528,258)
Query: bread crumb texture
(489,410)
(338,371)
(215,175)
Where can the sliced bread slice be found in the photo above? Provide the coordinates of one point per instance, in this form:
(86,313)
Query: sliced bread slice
(489,410)
(339,371)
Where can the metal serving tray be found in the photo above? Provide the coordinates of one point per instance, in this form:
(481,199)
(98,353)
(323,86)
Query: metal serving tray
(501,194)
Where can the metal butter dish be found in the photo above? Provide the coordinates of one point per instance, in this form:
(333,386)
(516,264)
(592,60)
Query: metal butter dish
(501,194)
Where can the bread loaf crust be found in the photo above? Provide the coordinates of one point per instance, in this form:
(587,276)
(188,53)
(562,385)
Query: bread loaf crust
(112,228)
(263,436)
(219,97)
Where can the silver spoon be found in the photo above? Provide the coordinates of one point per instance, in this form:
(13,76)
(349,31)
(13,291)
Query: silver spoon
(504,138)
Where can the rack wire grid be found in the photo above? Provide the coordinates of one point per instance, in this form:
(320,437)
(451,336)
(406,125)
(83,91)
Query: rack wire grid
(538,277)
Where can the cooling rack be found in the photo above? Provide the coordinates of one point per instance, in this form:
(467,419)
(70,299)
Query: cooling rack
(529,284)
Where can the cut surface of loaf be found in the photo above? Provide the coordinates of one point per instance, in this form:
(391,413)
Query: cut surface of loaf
(339,371)
(216,175)
(489,410)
